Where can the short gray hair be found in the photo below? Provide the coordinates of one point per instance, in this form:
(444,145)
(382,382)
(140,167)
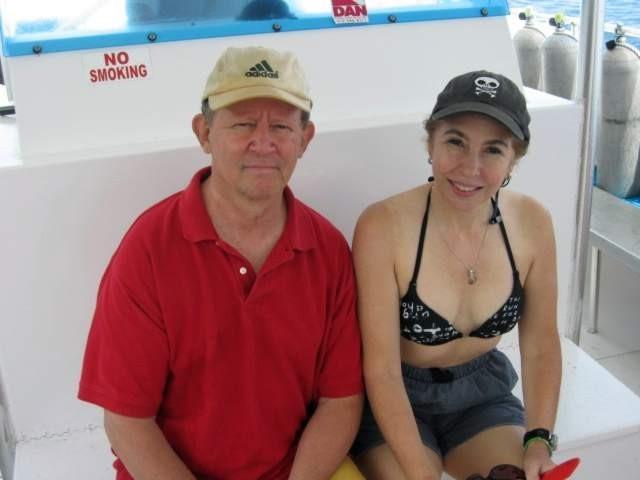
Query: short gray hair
(206,111)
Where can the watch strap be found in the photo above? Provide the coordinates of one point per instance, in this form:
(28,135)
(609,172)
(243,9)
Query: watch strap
(540,435)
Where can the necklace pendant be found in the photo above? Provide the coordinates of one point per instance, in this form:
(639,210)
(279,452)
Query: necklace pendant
(472,276)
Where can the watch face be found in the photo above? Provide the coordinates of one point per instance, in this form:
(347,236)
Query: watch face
(553,441)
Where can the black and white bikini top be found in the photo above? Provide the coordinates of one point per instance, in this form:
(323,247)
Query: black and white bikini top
(421,324)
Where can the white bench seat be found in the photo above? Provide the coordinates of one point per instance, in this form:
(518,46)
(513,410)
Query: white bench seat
(598,420)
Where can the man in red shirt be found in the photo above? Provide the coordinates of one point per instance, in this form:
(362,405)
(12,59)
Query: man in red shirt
(225,343)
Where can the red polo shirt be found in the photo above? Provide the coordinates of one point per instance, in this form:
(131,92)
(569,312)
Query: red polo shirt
(230,362)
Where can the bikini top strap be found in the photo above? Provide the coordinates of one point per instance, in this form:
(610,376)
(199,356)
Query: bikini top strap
(423,230)
(503,230)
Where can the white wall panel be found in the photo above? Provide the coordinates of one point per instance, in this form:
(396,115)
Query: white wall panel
(353,72)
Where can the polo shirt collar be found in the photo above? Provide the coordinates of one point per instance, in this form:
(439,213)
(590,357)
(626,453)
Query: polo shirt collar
(298,234)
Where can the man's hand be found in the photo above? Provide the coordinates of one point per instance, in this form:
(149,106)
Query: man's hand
(141,446)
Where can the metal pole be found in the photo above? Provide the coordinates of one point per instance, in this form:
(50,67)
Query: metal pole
(588,92)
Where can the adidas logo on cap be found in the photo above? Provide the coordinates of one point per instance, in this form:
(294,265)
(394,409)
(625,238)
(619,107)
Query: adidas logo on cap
(262,69)
(256,72)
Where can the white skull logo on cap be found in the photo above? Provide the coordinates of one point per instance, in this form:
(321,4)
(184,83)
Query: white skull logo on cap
(488,85)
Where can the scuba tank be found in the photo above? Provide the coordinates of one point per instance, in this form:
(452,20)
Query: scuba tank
(528,42)
(559,60)
(7,440)
(619,145)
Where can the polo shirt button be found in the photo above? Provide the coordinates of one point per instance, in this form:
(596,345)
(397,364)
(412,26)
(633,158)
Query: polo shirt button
(243,270)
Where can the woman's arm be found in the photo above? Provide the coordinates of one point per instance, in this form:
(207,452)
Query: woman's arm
(378,312)
(539,339)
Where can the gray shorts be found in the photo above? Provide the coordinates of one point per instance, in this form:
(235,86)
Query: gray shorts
(454,404)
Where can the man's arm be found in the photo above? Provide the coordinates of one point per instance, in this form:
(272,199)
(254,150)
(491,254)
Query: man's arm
(327,438)
(142,447)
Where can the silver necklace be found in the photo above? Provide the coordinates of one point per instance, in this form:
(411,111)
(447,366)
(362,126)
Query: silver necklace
(472,273)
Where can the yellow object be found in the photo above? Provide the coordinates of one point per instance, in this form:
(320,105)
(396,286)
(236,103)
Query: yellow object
(347,471)
(559,18)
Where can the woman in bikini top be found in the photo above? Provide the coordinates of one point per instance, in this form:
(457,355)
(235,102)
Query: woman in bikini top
(444,270)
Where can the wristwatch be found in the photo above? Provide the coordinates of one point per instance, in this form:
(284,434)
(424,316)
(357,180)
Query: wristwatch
(542,435)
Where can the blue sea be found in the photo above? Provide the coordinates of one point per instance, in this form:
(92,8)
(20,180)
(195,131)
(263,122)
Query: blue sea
(616,11)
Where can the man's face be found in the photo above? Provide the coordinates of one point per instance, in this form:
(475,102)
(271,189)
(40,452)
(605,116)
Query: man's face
(254,145)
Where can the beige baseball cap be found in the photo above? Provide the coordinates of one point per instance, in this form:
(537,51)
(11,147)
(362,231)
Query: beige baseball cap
(256,72)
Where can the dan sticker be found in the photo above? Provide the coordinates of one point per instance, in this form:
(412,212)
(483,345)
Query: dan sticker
(350,11)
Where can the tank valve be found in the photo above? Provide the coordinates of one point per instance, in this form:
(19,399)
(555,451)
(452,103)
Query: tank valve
(621,37)
(558,21)
(527,14)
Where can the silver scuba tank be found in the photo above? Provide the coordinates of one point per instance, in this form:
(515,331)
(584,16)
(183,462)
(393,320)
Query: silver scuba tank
(559,60)
(619,142)
(528,42)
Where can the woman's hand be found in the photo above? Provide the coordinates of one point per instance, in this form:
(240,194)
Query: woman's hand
(537,460)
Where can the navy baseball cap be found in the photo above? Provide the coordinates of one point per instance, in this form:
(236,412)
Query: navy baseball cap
(488,93)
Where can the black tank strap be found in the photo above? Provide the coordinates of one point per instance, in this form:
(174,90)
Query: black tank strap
(503,230)
(423,230)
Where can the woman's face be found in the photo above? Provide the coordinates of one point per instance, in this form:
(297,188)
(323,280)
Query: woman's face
(471,156)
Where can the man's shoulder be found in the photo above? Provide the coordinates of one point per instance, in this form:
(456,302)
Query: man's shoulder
(154,225)
(157,215)
(145,240)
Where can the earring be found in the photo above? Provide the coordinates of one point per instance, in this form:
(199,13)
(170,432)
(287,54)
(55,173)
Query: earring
(429,161)
(506,181)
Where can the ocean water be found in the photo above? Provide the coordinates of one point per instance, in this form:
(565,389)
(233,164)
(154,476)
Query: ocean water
(616,11)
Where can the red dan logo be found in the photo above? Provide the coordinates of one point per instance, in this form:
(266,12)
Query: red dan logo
(349,11)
